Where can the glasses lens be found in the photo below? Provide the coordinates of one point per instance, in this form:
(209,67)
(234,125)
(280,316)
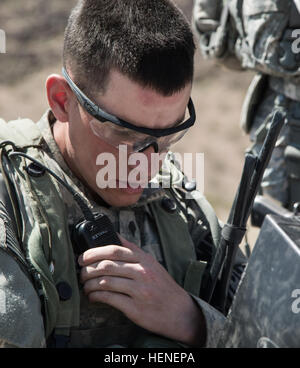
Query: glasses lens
(164,143)
(136,141)
(114,134)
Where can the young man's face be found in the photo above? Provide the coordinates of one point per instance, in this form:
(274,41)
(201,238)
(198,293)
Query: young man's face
(130,102)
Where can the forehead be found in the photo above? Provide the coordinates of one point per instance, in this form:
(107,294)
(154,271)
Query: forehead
(142,105)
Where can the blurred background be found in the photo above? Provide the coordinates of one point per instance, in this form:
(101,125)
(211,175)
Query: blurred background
(34,35)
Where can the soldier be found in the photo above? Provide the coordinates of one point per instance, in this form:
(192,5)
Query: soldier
(127,77)
(262,36)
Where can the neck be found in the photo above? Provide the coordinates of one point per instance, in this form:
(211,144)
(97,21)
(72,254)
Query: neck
(61,138)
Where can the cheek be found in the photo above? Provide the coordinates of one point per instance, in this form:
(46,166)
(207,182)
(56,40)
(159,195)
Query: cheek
(84,142)
(78,132)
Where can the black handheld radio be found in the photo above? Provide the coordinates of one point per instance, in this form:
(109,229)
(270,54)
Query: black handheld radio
(94,233)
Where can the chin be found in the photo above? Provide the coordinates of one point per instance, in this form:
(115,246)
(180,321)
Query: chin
(120,198)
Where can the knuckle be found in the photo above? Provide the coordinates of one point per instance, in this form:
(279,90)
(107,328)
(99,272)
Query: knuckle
(147,273)
(116,252)
(143,272)
(105,266)
(103,282)
(88,255)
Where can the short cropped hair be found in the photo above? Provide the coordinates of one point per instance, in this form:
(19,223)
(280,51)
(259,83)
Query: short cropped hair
(149,41)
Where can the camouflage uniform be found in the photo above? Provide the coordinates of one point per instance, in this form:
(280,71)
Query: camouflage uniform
(258,35)
(98,322)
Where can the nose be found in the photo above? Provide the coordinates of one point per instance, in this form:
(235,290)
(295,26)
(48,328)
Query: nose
(149,165)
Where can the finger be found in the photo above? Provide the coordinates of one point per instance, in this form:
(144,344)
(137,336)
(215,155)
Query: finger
(110,283)
(111,252)
(109,268)
(122,302)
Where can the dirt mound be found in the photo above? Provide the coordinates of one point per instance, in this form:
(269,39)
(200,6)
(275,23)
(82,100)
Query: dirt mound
(34,34)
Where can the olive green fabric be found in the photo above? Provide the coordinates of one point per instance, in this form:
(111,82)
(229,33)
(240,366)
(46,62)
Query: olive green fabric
(49,233)
(178,249)
(47,208)
(193,277)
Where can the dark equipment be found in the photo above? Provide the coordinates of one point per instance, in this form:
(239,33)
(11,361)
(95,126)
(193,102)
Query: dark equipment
(235,228)
(266,310)
(94,233)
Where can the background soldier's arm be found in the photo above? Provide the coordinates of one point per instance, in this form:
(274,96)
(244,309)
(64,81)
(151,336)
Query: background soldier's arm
(268,39)
(260,36)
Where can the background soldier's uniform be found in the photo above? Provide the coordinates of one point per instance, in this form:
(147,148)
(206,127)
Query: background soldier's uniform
(68,318)
(258,35)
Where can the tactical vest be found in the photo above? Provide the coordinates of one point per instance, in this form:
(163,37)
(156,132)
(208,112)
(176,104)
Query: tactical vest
(40,221)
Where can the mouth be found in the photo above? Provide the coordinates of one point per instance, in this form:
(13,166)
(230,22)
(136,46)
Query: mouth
(132,187)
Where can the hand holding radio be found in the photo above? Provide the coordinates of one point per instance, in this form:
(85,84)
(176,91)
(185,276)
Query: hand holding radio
(131,280)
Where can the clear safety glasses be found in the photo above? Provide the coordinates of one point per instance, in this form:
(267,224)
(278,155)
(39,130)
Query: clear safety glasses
(118,132)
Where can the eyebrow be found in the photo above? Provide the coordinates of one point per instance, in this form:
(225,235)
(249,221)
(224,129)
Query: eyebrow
(102,115)
(173,125)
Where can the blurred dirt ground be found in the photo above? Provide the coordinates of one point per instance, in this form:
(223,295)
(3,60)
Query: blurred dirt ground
(34,33)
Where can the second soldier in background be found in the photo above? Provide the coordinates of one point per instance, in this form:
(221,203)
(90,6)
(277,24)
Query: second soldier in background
(261,36)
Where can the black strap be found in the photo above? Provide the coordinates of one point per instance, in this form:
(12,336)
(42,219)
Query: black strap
(9,197)
(233,234)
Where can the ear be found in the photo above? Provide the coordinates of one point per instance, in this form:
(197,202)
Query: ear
(59,95)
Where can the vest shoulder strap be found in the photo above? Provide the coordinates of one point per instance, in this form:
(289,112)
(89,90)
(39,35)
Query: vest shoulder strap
(48,248)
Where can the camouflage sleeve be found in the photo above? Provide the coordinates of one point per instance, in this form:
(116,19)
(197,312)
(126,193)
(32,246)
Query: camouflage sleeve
(21,323)
(267,40)
(261,36)
(214,32)
(206,14)
(214,321)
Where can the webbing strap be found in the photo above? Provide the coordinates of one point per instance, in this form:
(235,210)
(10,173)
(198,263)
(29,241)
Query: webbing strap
(193,277)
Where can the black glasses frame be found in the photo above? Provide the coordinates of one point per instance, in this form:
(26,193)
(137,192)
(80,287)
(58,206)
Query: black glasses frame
(104,116)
